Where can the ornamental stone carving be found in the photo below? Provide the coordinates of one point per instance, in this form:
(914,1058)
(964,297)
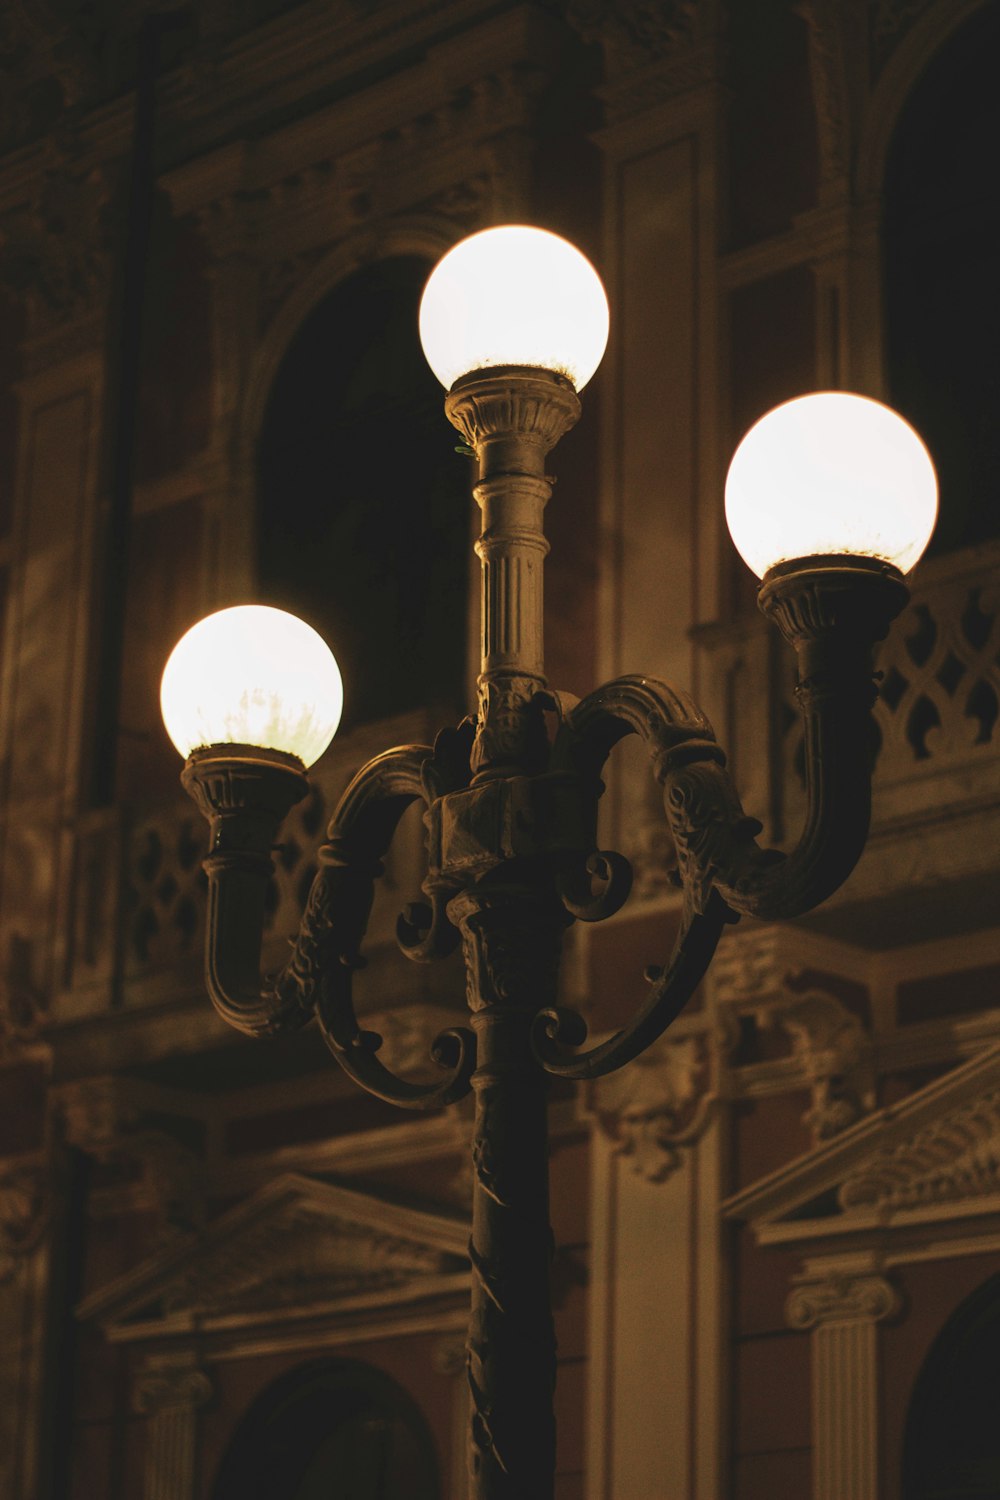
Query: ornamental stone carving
(169,1387)
(828,63)
(103,1118)
(651,51)
(301,1255)
(22,1004)
(842,1299)
(23,1215)
(659,1104)
(55,248)
(748,965)
(834,1051)
(956,1156)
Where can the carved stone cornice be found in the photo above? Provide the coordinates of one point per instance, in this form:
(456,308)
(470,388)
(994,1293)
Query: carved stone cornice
(661,1103)
(750,964)
(955,1157)
(103,1118)
(24,1215)
(651,52)
(762,973)
(296,1246)
(828,65)
(842,1299)
(55,247)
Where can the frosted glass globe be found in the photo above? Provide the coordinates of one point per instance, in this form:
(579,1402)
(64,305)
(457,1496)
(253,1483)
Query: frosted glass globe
(252,675)
(831,474)
(514,296)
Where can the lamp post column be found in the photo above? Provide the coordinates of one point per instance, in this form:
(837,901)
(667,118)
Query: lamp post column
(512,952)
(511,924)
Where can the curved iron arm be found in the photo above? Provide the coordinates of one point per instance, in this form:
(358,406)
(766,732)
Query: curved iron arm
(316,980)
(359,835)
(670,723)
(558,1030)
(832,613)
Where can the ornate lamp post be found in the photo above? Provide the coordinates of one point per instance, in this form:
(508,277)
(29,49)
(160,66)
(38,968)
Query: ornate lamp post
(829,498)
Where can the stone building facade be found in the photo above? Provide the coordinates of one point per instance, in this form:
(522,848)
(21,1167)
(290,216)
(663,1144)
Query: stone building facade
(777,1265)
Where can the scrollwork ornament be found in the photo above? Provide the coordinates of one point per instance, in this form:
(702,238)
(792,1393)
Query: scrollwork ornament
(842,1299)
(659,1106)
(172,1388)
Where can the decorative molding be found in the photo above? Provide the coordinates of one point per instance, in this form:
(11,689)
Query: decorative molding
(750,964)
(651,52)
(169,1393)
(758,972)
(953,1158)
(23,1006)
(659,1104)
(926,1165)
(294,1247)
(633,31)
(842,1298)
(24,1215)
(55,248)
(164,1387)
(834,1053)
(828,64)
(103,1118)
(841,1304)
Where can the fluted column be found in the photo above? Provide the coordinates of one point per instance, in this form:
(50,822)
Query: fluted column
(841,1308)
(169,1393)
(511,418)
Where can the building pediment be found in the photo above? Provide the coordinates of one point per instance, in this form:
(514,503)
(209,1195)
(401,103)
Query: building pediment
(299,1249)
(929,1163)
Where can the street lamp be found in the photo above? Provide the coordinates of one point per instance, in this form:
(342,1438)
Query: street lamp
(829,498)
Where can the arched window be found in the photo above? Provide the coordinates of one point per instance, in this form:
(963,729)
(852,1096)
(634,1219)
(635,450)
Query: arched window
(330,1428)
(942,294)
(951,1448)
(364,517)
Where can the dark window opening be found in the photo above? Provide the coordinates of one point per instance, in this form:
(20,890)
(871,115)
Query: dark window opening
(942,298)
(951,1448)
(336,1427)
(363,522)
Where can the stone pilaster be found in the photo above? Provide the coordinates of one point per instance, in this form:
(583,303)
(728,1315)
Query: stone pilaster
(841,1307)
(169,1393)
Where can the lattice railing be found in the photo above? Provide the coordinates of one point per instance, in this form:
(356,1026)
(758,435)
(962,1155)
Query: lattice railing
(155,921)
(940,695)
(939,700)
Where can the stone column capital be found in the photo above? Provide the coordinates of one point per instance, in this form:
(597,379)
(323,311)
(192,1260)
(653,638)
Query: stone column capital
(842,1297)
(171,1387)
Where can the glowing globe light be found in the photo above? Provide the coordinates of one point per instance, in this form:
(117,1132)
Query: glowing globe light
(514,296)
(831,474)
(252,675)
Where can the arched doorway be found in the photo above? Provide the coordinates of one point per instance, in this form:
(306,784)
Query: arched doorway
(364,521)
(951,1447)
(330,1430)
(941,238)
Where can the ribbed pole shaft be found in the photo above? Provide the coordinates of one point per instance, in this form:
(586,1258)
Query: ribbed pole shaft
(511,418)
(512,939)
(512,549)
